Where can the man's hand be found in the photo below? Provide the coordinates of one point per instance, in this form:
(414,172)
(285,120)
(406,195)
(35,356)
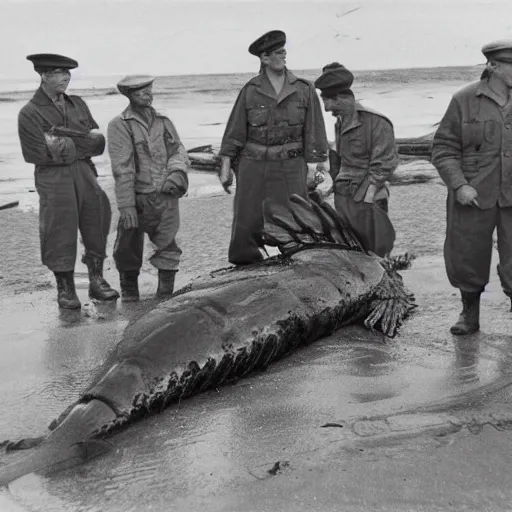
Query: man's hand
(226,174)
(171,189)
(128,217)
(467,195)
(315,175)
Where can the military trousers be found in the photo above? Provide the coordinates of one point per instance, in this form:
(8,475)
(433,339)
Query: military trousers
(257,180)
(369,221)
(159,218)
(468,245)
(70,199)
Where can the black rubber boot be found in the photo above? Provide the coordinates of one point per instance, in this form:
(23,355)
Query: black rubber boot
(165,283)
(99,288)
(67,297)
(129,285)
(469,319)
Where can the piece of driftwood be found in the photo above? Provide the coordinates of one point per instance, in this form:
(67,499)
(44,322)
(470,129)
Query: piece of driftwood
(415,147)
(9,205)
(205,158)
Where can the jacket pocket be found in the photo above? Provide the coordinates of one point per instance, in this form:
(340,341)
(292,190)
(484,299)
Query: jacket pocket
(492,132)
(357,147)
(473,134)
(257,115)
(296,114)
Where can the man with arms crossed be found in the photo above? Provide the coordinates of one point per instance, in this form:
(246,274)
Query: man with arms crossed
(56,134)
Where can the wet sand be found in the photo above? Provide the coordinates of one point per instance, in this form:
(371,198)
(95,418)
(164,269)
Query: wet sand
(354,424)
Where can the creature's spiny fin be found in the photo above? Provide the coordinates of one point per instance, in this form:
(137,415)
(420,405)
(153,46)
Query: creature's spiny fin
(307,222)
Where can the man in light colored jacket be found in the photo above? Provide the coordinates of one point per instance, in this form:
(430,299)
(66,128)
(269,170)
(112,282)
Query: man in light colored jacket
(149,164)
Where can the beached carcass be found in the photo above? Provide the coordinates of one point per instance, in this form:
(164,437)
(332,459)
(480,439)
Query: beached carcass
(226,325)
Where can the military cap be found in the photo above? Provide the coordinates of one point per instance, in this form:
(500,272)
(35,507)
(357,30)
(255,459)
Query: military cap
(499,50)
(132,83)
(48,61)
(335,79)
(268,42)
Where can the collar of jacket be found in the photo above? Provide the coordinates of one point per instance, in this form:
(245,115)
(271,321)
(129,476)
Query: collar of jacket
(265,86)
(484,89)
(355,120)
(42,99)
(129,113)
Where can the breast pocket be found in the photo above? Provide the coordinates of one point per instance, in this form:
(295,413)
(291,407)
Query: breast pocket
(257,115)
(492,132)
(473,134)
(357,147)
(296,114)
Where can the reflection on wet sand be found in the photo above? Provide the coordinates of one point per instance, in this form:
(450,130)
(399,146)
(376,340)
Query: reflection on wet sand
(467,352)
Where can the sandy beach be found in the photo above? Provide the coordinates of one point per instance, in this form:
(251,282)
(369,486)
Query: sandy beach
(214,452)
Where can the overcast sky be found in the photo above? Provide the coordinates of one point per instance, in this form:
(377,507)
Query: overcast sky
(166,37)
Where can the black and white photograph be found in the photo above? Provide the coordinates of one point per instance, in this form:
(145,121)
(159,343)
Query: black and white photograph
(256,255)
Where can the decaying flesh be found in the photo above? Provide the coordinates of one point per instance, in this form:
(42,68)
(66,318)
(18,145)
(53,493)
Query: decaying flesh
(225,325)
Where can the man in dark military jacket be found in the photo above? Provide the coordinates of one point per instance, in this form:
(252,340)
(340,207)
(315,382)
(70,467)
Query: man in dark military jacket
(364,159)
(276,132)
(472,152)
(55,132)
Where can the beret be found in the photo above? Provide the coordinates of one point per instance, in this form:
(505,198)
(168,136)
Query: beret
(499,50)
(43,61)
(335,79)
(268,42)
(132,83)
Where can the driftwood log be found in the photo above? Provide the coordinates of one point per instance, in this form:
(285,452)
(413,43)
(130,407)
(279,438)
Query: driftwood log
(205,158)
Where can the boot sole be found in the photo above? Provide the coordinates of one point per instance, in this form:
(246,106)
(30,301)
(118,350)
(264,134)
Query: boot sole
(79,306)
(459,332)
(104,299)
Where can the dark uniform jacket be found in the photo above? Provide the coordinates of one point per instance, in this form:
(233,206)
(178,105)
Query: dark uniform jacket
(366,149)
(473,145)
(263,126)
(73,142)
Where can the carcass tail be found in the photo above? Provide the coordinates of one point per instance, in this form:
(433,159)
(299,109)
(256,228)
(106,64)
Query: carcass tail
(390,304)
(68,445)
(306,223)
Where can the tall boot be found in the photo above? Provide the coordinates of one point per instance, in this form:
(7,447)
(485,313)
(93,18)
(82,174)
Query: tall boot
(66,293)
(99,288)
(129,285)
(469,319)
(165,283)
(509,295)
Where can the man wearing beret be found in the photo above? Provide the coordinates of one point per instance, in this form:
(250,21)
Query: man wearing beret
(275,132)
(364,158)
(150,165)
(56,134)
(472,152)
